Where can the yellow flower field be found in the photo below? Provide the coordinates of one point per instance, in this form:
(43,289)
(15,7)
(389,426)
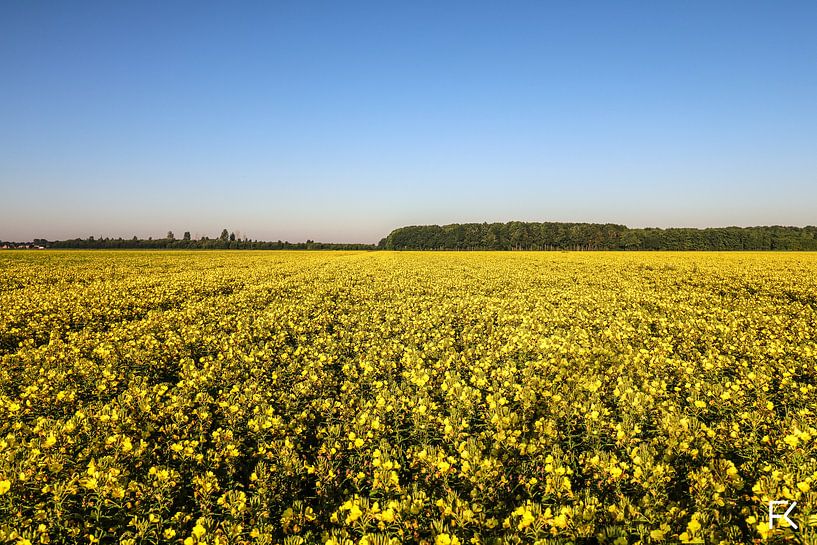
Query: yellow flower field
(381,398)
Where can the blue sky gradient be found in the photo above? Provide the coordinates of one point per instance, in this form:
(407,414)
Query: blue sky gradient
(339,121)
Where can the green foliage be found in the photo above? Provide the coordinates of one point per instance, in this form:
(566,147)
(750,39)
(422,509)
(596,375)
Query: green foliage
(204,243)
(516,235)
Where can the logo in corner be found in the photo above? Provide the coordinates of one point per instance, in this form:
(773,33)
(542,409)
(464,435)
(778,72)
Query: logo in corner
(785,516)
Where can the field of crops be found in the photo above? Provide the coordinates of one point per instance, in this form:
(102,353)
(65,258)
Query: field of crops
(374,398)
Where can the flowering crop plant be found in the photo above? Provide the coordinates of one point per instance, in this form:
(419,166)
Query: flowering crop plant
(369,398)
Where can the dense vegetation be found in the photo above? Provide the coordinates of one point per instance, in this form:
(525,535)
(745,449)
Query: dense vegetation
(226,241)
(517,235)
(374,398)
(201,244)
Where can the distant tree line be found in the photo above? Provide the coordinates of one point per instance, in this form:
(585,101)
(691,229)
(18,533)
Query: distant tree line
(517,235)
(226,241)
(514,235)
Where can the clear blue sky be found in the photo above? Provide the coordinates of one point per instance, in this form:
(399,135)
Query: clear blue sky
(339,121)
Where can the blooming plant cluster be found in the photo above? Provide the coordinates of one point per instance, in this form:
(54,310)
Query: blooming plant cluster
(384,398)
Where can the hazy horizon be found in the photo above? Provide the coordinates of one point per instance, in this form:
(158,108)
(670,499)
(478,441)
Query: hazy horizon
(214,234)
(339,123)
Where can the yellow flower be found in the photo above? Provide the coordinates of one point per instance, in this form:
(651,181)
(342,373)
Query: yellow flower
(526,520)
(198,531)
(791,440)
(446,539)
(169,533)
(354,514)
(5,485)
(387,515)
